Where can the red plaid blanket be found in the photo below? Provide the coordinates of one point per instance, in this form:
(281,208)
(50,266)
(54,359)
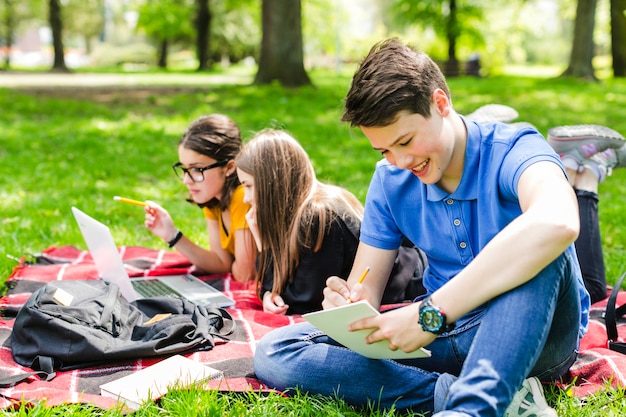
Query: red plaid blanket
(234,357)
(596,364)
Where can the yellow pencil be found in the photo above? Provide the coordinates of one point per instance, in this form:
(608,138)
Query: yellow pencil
(129,201)
(363,275)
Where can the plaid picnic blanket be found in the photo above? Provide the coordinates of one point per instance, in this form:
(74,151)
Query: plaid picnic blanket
(234,358)
(596,363)
(595,366)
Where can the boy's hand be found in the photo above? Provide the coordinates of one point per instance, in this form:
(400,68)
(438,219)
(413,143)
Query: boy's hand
(399,327)
(336,293)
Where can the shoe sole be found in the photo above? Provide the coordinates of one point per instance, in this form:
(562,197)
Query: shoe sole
(576,134)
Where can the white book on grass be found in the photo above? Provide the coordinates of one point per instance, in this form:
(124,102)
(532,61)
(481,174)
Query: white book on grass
(154,381)
(334,322)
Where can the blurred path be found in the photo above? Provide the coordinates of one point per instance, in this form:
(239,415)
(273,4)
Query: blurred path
(51,80)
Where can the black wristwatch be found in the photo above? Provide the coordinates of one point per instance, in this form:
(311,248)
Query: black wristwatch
(432,318)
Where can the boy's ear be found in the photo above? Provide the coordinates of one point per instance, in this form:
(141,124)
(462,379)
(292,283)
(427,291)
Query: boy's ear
(441,101)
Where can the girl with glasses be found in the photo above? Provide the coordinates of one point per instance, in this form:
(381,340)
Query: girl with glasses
(206,166)
(305,230)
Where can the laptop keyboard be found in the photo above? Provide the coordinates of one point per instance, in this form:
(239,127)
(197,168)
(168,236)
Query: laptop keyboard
(152,288)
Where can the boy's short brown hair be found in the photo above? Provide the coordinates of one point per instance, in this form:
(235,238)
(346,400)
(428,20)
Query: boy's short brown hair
(393,77)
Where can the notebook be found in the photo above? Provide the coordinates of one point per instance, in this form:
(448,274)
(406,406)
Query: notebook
(156,380)
(109,264)
(334,322)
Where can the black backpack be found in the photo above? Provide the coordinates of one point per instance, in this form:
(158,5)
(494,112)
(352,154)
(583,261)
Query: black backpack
(75,324)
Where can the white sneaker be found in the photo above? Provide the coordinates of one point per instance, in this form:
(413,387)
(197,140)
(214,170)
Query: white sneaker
(529,401)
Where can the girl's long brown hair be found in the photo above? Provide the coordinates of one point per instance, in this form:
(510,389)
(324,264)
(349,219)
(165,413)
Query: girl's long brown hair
(291,203)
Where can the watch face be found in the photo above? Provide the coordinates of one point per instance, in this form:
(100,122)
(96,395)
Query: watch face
(431,319)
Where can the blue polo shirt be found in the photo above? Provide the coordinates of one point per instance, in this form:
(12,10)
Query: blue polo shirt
(452,228)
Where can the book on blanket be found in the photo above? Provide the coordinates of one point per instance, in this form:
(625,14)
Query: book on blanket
(334,322)
(154,381)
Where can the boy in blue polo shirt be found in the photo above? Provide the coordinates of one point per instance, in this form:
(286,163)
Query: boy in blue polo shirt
(493,210)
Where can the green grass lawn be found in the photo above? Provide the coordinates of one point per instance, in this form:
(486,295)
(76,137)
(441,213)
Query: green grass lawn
(60,148)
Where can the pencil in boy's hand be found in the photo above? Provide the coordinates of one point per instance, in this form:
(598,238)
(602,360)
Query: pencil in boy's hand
(363,275)
(360,281)
(129,201)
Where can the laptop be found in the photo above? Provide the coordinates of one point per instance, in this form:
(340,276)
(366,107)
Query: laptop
(109,264)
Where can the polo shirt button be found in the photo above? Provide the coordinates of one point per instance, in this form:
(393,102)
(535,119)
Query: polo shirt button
(450,201)
(457,222)
(463,245)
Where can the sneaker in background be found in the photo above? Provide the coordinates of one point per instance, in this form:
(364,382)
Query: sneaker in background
(529,401)
(580,142)
(493,113)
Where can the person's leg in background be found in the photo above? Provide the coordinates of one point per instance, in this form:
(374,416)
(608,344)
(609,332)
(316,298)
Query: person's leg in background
(589,153)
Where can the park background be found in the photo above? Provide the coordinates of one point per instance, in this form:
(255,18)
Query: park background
(96,108)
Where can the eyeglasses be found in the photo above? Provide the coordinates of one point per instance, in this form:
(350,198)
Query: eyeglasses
(195,173)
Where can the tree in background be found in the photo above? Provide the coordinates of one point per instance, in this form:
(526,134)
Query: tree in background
(84,18)
(282,56)
(166,21)
(8,19)
(618,37)
(451,19)
(56,25)
(203,32)
(580,62)
(236,30)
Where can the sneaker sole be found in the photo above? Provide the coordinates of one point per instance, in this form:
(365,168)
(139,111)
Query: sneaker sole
(564,138)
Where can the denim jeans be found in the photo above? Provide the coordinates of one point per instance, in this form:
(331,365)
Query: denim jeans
(474,370)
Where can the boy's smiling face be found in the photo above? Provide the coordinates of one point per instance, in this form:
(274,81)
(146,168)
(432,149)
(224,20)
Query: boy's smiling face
(424,146)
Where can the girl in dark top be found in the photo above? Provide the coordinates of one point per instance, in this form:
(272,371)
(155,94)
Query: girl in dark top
(306,231)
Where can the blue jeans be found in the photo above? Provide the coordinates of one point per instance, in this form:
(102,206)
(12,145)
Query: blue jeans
(474,370)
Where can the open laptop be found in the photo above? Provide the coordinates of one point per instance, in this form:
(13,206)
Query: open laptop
(111,269)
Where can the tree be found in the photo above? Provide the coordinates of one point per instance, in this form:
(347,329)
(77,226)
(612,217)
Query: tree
(203,30)
(580,63)
(84,18)
(450,19)
(282,56)
(8,18)
(56,25)
(166,21)
(618,37)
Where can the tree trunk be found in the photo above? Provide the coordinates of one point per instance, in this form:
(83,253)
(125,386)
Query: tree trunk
(452,30)
(203,30)
(56,24)
(10,27)
(163,54)
(618,37)
(580,63)
(282,57)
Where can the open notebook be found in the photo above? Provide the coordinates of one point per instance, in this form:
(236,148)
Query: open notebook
(109,264)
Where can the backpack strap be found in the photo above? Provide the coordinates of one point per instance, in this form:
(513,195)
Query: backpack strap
(611,315)
(43,366)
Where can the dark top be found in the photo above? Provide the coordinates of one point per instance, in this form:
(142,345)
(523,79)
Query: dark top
(305,291)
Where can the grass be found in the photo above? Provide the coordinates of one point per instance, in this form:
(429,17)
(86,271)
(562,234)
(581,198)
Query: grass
(62,147)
